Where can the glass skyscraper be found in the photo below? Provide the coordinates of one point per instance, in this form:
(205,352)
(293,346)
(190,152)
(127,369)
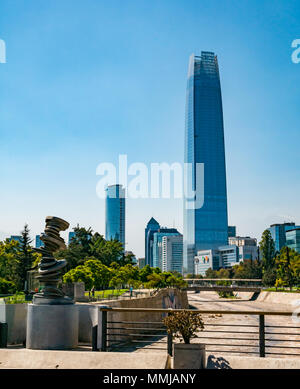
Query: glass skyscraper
(115,213)
(205,228)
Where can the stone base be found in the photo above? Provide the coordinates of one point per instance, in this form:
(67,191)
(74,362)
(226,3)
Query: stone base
(41,299)
(52,327)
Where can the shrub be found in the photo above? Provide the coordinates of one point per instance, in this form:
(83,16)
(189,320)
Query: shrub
(184,324)
(7,287)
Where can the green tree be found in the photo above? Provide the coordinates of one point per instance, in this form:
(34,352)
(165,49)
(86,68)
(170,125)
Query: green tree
(26,257)
(287,265)
(80,274)
(267,250)
(101,273)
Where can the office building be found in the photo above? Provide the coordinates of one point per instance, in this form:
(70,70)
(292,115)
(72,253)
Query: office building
(17,238)
(206,227)
(206,259)
(115,214)
(293,239)
(231,231)
(157,244)
(247,247)
(172,253)
(38,242)
(152,227)
(71,236)
(278,232)
(141,263)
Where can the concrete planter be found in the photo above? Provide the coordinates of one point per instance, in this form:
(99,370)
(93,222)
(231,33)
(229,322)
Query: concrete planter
(189,356)
(15,316)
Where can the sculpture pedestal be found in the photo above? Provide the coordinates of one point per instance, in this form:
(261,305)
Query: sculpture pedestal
(52,327)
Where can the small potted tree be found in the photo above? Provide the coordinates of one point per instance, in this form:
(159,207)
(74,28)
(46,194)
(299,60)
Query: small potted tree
(185,325)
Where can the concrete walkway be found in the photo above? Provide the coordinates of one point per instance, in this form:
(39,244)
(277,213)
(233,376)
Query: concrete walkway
(46,359)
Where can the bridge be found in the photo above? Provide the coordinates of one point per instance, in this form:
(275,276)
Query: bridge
(224,285)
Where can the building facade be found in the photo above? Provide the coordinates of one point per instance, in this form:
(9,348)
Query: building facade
(17,238)
(278,232)
(172,253)
(115,214)
(38,242)
(71,236)
(205,227)
(293,239)
(152,227)
(206,259)
(247,247)
(157,244)
(231,231)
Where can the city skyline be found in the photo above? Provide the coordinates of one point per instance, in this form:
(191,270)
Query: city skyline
(61,87)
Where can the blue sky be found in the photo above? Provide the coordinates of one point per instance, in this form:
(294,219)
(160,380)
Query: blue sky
(88,80)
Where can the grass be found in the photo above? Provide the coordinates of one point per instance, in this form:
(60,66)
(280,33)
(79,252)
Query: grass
(18,298)
(107,292)
(294,290)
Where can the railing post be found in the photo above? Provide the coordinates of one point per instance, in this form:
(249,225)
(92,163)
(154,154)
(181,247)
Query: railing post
(3,335)
(262,345)
(103,330)
(95,338)
(102,327)
(170,342)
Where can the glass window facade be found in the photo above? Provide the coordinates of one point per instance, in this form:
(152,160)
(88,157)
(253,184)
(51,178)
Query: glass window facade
(152,227)
(207,227)
(293,239)
(115,213)
(278,232)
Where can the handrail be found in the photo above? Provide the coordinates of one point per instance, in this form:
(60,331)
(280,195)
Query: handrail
(224,279)
(222,312)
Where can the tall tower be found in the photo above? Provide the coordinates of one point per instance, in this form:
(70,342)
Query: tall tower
(152,227)
(115,213)
(205,227)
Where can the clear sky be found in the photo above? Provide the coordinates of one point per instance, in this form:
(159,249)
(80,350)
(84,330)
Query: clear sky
(88,80)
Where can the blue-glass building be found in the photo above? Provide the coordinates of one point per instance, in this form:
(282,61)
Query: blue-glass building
(293,239)
(278,232)
(38,242)
(205,228)
(71,236)
(115,213)
(152,227)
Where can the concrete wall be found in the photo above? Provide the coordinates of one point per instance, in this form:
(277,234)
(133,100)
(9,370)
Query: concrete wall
(15,315)
(278,297)
(164,298)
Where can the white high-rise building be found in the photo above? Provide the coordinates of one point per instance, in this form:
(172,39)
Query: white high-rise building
(172,253)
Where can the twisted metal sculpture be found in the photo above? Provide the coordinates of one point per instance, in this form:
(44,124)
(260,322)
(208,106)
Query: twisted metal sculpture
(49,267)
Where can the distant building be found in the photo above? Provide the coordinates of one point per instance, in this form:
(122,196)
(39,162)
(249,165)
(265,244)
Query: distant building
(247,247)
(207,259)
(278,232)
(172,253)
(115,213)
(141,263)
(17,238)
(229,255)
(71,236)
(38,242)
(152,227)
(239,249)
(157,244)
(231,231)
(293,239)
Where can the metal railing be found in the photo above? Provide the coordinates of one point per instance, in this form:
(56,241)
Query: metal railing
(119,334)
